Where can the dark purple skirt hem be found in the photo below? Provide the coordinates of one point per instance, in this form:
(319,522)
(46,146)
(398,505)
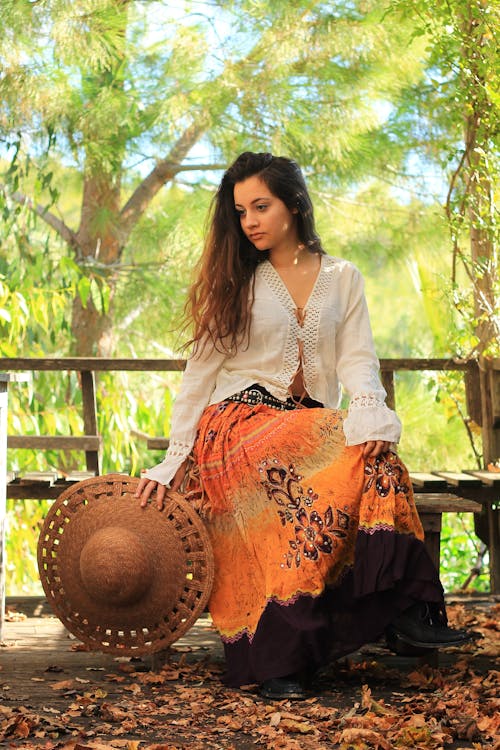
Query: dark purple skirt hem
(391,572)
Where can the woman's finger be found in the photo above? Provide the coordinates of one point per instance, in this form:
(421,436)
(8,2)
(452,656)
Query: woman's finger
(381,446)
(142,483)
(147,491)
(373,448)
(161,492)
(368,448)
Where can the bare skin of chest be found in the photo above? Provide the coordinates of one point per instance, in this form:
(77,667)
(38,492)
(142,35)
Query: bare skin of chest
(300,279)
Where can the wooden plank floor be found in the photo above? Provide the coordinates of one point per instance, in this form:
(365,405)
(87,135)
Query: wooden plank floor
(38,650)
(66,695)
(38,653)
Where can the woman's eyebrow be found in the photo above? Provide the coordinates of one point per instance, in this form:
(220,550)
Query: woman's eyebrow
(255,200)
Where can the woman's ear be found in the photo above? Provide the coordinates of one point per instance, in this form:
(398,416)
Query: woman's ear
(295,210)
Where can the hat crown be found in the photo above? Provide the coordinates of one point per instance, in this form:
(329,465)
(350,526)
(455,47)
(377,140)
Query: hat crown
(115,567)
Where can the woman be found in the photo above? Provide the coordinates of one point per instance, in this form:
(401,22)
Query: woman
(317,542)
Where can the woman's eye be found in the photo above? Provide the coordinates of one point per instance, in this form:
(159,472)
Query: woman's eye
(262,207)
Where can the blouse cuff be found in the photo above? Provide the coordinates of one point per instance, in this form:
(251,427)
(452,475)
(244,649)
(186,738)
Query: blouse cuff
(164,472)
(369,418)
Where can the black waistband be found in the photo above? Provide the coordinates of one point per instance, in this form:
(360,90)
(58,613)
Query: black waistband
(256,394)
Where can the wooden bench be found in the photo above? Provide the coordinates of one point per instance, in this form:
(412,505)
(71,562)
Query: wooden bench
(436,493)
(42,485)
(47,485)
(442,492)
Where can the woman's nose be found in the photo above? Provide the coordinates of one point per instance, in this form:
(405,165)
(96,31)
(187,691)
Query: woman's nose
(251,219)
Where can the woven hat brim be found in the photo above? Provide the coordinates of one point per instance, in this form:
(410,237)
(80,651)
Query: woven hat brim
(176,585)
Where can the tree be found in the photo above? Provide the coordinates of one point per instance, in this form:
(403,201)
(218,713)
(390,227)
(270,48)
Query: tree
(111,85)
(453,115)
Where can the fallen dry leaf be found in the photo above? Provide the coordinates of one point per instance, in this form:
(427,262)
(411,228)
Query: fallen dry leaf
(13,616)
(358,737)
(301,727)
(62,685)
(370,702)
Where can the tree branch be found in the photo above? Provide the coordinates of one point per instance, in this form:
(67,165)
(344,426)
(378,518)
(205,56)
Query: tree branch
(64,232)
(167,168)
(164,171)
(200,167)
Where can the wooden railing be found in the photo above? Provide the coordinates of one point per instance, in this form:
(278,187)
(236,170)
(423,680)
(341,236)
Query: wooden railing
(483,398)
(483,403)
(90,442)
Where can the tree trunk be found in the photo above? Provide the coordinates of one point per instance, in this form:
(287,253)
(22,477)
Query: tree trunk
(100,253)
(478,182)
(482,255)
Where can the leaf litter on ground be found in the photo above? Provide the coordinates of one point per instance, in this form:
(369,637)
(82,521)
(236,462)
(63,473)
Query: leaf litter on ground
(364,704)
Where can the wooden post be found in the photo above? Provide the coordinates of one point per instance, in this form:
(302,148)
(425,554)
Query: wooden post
(387,377)
(431,523)
(90,417)
(5,378)
(489,383)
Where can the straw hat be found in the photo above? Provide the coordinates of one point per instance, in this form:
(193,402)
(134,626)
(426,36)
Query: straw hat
(124,579)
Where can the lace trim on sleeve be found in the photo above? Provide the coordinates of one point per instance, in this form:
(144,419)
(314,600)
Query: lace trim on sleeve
(178,448)
(365,400)
(165,471)
(369,418)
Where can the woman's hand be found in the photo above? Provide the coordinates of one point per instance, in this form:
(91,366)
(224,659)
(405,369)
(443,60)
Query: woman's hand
(373,448)
(146,487)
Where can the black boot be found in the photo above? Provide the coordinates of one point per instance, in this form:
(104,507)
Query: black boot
(400,647)
(418,627)
(283,688)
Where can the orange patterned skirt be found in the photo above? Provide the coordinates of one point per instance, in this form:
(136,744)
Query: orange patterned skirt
(309,538)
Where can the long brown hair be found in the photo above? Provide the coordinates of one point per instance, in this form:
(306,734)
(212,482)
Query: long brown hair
(220,299)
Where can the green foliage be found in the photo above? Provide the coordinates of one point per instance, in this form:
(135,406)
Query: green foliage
(369,97)
(32,314)
(465,337)
(24,522)
(434,436)
(156,270)
(460,550)
(454,114)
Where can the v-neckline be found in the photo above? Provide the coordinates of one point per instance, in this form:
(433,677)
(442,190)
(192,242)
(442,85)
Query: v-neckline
(287,292)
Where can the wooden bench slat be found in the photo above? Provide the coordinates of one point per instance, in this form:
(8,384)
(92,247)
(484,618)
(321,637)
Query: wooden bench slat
(36,490)
(55,442)
(459,478)
(42,485)
(443,502)
(79,476)
(425,480)
(41,477)
(158,443)
(490,478)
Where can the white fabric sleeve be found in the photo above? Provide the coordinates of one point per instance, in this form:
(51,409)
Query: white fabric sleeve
(196,389)
(368,417)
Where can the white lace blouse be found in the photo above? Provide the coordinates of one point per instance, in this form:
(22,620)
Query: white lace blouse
(332,343)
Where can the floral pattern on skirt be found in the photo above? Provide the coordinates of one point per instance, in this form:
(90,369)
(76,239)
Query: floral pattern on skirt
(285,501)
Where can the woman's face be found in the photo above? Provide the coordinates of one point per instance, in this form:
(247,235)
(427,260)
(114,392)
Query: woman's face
(264,218)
